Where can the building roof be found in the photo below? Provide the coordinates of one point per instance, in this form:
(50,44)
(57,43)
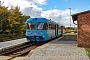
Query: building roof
(75,16)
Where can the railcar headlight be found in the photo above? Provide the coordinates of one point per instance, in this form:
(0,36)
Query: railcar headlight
(28,32)
(41,33)
(43,36)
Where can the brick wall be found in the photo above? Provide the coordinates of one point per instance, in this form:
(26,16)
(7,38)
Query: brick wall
(84,29)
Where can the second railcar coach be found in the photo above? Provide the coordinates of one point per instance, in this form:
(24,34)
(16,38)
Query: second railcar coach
(42,29)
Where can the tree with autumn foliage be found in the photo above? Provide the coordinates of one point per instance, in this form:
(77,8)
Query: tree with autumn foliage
(12,22)
(3,18)
(17,21)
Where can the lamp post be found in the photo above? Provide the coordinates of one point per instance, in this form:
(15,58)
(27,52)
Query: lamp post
(70,20)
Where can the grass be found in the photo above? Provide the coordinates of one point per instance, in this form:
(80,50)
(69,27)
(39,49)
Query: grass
(88,51)
(71,34)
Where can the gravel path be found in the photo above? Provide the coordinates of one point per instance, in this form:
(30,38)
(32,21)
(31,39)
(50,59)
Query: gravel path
(64,49)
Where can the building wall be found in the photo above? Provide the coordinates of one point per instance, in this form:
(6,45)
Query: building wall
(84,30)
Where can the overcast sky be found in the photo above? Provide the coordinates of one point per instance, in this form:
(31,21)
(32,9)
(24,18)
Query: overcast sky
(57,10)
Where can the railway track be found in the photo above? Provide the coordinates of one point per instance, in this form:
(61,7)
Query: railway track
(19,50)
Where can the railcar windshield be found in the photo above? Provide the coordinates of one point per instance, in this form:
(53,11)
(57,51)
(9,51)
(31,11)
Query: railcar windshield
(38,26)
(42,26)
(30,26)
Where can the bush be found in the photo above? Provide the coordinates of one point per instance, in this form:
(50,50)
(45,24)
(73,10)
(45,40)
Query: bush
(88,51)
(10,36)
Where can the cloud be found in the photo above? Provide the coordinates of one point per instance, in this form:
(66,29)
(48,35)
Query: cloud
(59,16)
(40,2)
(52,14)
(32,12)
(21,3)
(31,8)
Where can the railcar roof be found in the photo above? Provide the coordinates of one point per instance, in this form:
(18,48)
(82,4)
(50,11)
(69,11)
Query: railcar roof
(41,20)
(36,20)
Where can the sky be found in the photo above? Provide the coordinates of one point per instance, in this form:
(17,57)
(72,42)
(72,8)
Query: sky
(56,10)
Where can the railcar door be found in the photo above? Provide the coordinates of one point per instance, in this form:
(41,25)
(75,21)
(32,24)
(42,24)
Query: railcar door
(62,29)
(56,30)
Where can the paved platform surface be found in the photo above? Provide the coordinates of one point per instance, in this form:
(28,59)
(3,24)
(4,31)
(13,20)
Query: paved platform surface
(12,43)
(64,49)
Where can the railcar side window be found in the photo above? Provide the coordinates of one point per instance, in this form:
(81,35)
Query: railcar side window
(45,27)
(49,26)
(59,27)
(52,26)
(27,26)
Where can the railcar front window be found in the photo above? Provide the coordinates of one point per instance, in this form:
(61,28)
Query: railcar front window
(42,26)
(30,26)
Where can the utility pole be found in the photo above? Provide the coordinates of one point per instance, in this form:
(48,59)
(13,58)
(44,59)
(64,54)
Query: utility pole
(70,20)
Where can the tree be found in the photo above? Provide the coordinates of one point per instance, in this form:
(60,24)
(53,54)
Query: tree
(3,18)
(17,21)
(12,22)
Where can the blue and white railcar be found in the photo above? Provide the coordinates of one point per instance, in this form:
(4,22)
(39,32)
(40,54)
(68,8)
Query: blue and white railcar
(42,29)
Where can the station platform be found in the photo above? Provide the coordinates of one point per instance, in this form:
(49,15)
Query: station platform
(12,43)
(62,49)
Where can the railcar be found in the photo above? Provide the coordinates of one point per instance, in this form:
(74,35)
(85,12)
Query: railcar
(42,29)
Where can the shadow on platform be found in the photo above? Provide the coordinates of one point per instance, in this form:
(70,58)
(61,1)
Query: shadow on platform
(67,40)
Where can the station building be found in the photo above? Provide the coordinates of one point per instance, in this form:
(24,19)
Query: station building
(83,28)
